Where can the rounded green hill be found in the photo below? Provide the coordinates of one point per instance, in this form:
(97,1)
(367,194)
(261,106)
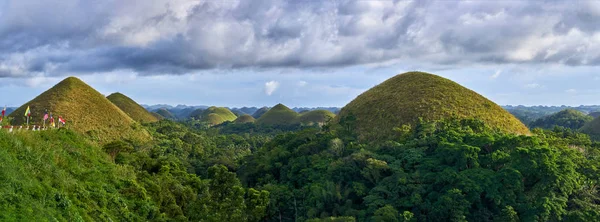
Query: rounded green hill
(404,98)
(164,113)
(132,108)
(278,115)
(245,119)
(592,128)
(214,115)
(568,118)
(85,110)
(260,112)
(316,117)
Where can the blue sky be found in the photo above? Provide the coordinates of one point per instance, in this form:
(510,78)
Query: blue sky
(299,53)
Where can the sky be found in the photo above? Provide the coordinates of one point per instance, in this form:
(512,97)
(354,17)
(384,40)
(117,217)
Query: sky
(302,53)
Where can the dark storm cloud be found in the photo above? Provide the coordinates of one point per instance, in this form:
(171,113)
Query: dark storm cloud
(173,37)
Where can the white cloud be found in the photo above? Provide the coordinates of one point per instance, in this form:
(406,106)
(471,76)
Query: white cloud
(496,74)
(532,85)
(271,86)
(302,83)
(571,91)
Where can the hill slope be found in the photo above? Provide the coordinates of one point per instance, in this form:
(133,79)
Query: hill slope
(245,119)
(405,98)
(132,108)
(214,115)
(278,115)
(85,110)
(165,113)
(258,113)
(316,116)
(568,118)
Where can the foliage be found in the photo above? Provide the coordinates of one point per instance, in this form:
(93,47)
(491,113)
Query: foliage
(403,99)
(568,118)
(448,170)
(85,110)
(131,108)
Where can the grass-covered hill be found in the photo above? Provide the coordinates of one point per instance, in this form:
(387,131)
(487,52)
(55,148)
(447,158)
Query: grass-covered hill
(278,115)
(595,114)
(245,119)
(165,113)
(592,128)
(568,118)
(260,112)
(132,108)
(316,117)
(214,115)
(85,110)
(405,98)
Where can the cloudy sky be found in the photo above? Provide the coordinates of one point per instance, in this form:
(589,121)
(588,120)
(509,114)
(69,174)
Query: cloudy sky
(299,52)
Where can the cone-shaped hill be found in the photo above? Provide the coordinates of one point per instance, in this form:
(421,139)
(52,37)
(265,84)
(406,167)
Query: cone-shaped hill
(405,98)
(85,110)
(592,129)
(568,118)
(165,113)
(245,119)
(214,115)
(316,117)
(260,112)
(132,108)
(278,115)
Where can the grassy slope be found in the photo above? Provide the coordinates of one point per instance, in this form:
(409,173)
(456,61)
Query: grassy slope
(260,112)
(86,111)
(165,113)
(316,116)
(245,119)
(214,115)
(278,115)
(56,175)
(133,109)
(406,97)
(568,118)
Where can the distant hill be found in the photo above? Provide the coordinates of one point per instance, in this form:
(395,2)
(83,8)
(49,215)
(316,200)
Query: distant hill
(133,109)
(214,115)
(165,113)
(403,99)
(260,112)
(278,115)
(333,110)
(568,118)
(592,129)
(595,114)
(86,111)
(316,117)
(245,119)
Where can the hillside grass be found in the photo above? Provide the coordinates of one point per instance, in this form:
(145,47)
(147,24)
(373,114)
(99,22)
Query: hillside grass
(260,112)
(568,118)
(214,115)
(245,119)
(165,113)
(278,115)
(56,175)
(85,110)
(406,98)
(132,108)
(316,117)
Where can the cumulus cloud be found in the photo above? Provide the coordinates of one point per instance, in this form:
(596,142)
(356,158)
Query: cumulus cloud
(571,91)
(156,37)
(270,87)
(302,83)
